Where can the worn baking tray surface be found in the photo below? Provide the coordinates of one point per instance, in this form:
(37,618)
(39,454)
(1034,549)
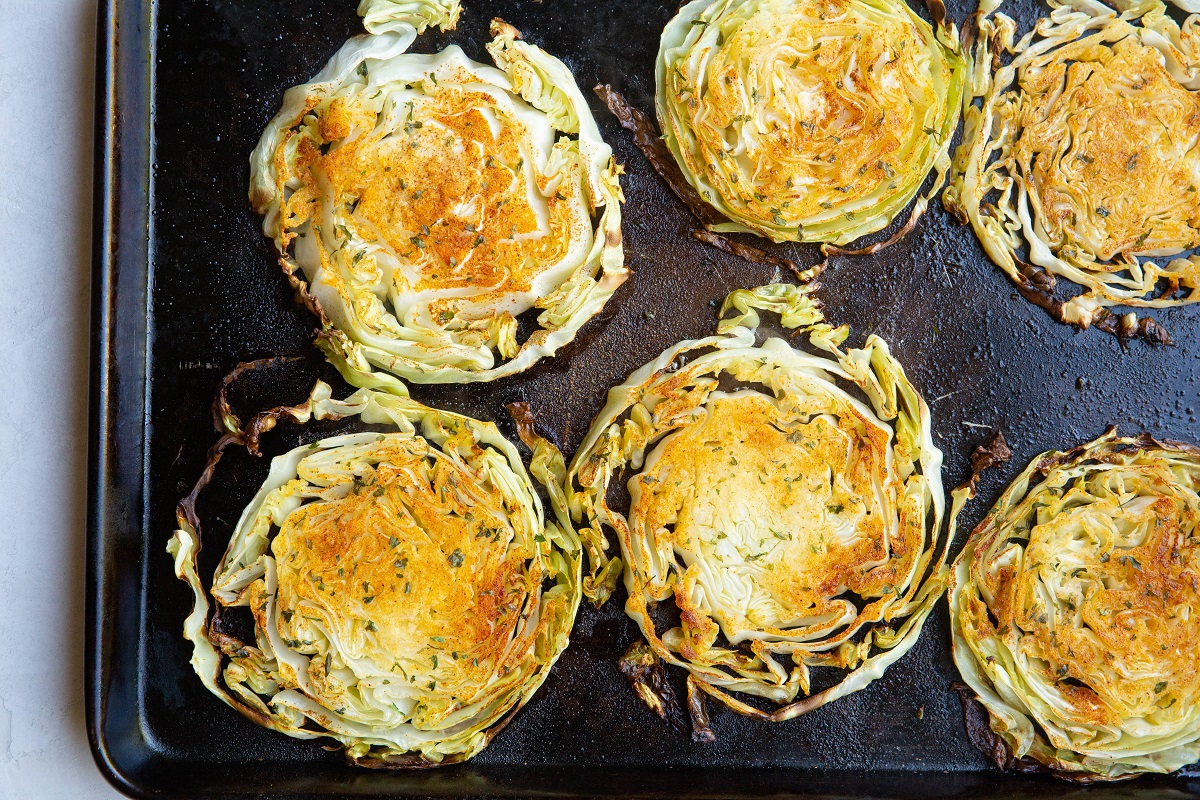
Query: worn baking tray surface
(174,317)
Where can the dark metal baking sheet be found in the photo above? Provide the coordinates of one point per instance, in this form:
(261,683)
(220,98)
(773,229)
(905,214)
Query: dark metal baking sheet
(185,286)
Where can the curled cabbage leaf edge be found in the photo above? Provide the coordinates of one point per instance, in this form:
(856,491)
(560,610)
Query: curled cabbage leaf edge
(702,28)
(626,429)
(249,676)
(368,343)
(984,166)
(1034,722)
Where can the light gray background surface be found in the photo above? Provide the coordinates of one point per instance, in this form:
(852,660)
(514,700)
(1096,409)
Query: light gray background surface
(47,49)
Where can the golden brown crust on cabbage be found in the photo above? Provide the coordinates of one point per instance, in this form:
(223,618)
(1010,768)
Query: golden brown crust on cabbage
(808,120)
(1079,159)
(1072,610)
(786,502)
(420,203)
(407,592)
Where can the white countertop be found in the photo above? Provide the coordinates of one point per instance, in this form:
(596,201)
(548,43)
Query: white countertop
(47,48)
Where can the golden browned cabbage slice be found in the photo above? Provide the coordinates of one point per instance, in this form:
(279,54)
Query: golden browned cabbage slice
(1074,610)
(1081,159)
(788,503)
(408,594)
(421,203)
(809,120)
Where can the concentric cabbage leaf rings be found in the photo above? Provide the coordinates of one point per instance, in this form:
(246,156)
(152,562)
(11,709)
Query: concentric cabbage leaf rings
(421,203)
(809,120)
(790,504)
(407,594)
(1074,610)
(1083,152)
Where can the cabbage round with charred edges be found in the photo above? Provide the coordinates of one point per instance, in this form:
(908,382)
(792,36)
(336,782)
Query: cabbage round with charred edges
(408,595)
(1080,160)
(809,120)
(422,203)
(1075,611)
(788,503)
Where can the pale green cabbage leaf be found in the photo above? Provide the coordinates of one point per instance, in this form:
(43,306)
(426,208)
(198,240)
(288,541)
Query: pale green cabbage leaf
(788,502)
(809,120)
(1079,158)
(1073,610)
(420,204)
(408,593)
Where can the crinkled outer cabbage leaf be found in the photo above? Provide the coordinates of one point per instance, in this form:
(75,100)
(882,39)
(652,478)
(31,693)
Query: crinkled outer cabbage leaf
(788,503)
(1075,609)
(1082,151)
(407,592)
(809,120)
(421,203)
